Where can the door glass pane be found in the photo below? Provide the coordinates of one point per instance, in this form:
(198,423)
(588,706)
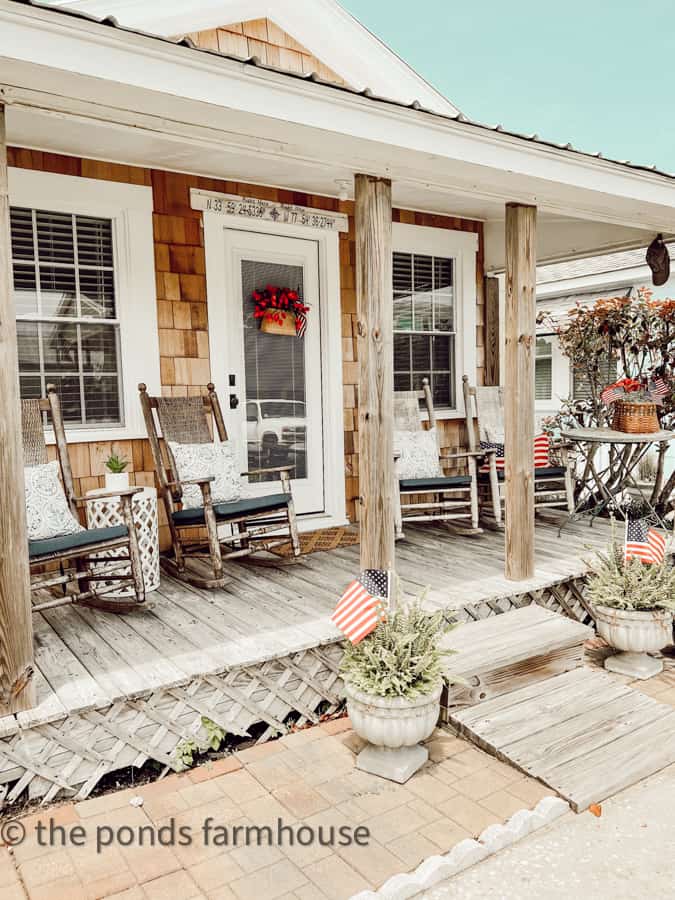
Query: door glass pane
(274,366)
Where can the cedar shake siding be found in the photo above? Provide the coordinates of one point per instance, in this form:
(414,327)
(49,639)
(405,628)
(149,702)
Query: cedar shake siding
(182,310)
(266,41)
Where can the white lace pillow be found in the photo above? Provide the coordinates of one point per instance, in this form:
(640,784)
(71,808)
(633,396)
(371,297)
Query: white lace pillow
(47,511)
(200,461)
(419,454)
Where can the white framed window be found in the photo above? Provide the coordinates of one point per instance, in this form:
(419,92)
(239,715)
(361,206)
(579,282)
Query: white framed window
(543,369)
(84,291)
(434,311)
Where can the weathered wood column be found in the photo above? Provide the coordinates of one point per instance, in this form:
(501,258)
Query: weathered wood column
(376,379)
(16,628)
(520,329)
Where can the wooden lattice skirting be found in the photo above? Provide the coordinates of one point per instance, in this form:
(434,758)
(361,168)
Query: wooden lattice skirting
(69,757)
(566,597)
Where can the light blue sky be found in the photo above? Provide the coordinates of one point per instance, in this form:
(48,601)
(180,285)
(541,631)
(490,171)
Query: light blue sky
(600,74)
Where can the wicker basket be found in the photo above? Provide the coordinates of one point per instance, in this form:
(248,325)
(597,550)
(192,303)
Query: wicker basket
(286,326)
(635,418)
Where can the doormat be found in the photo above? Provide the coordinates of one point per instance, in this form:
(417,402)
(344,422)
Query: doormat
(325,539)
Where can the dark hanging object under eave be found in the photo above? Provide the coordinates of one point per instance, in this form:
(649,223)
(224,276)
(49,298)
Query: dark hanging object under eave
(658,260)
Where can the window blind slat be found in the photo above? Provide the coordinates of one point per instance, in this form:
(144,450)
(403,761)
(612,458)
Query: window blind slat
(75,280)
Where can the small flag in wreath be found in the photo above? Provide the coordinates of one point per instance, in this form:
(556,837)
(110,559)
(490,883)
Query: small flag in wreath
(280,311)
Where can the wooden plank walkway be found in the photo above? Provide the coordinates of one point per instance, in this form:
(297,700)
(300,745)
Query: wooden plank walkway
(583,733)
(86,659)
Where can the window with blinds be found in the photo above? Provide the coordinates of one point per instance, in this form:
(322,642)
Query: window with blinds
(581,386)
(424,325)
(66,308)
(543,369)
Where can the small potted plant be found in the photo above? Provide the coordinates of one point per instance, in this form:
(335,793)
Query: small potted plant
(116,476)
(633,603)
(393,681)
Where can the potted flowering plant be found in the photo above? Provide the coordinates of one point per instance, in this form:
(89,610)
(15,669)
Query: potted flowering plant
(393,681)
(633,603)
(635,402)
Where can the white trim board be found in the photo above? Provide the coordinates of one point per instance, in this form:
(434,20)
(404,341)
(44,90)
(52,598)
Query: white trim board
(130,208)
(323,27)
(217,281)
(462,247)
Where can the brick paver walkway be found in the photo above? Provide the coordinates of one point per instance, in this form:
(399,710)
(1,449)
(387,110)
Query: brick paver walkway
(307,778)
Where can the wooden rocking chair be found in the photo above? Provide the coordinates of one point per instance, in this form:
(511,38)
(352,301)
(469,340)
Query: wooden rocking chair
(256,523)
(450,499)
(553,485)
(83,576)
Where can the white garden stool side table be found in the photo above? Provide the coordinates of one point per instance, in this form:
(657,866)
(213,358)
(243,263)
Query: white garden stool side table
(105,512)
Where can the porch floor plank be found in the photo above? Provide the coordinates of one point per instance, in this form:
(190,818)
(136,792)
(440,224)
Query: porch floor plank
(86,658)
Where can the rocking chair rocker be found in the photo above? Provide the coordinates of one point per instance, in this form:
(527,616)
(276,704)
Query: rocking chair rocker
(84,577)
(451,499)
(255,523)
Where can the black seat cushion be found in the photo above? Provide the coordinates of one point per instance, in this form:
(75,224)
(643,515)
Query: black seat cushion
(434,484)
(540,472)
(233,510)
(66,542)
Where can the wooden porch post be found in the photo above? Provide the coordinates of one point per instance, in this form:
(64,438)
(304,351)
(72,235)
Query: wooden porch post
(520,329)
(16,627)
(376,379)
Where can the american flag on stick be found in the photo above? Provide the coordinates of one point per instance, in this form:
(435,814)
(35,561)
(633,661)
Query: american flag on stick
(659,388)
(611,393)
(361,607)
(643,542)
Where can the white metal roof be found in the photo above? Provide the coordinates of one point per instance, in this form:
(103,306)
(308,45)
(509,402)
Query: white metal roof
(328,30)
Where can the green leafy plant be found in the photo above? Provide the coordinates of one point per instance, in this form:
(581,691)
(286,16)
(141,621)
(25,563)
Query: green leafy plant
(402,657)
(630,585)
(190,748)
(116,464)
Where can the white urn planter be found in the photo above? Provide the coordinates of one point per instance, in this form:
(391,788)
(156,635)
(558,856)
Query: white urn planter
(634,633)
(393,727)
(116,481)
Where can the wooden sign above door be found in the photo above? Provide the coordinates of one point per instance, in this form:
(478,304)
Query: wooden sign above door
(267,211)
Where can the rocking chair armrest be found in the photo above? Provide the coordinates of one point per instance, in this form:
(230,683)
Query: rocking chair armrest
(271,469)
(104,495)
(206,479)
(464,453)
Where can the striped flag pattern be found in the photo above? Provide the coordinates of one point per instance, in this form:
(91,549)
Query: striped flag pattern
(643,542)
(611,393)
(300,324)
(661,387)
(361,607)
(541,453)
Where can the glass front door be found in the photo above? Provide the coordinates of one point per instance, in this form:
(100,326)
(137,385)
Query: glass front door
(275,363)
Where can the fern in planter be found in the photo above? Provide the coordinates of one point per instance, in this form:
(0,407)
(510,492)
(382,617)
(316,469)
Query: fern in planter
(630,585)
(402,657)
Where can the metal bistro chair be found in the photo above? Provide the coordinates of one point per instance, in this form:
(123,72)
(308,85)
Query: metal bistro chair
(452,499)
(88,577)
(257,523)
(553,485)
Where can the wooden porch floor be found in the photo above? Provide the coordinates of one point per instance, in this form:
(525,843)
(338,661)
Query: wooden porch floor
(87,659)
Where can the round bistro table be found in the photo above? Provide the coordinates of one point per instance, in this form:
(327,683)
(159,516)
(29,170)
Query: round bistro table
(608,483)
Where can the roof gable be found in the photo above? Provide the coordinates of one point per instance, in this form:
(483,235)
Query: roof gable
(266,41)
(323,27)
